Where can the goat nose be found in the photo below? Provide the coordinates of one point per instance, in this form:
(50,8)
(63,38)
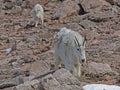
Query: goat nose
(83,60)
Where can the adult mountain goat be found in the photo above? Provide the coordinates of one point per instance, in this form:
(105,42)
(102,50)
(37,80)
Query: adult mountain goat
(69,50)
(38,14)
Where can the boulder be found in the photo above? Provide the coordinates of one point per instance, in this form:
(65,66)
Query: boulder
(67,8)
(60,80)
(63,76)
(89,6)
(11,82)
(99,70)
(114,2)
(39,68)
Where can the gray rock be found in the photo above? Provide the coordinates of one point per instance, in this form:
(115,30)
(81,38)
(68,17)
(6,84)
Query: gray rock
(114,2)
(99,70)
(101,16)
(63,76)
(89,6)
(51,83)
(39,68)
(29,85)
(67,8)
(16,10)
(11,82)
(8,5)
(87,24)
(17,2)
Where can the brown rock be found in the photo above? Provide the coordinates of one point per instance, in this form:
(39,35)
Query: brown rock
(29,85)
(89,6)
(114,2)
(63,76)
(8,5)
(39,68)
(99,70)
(16,10)
(67,8)
(51,83)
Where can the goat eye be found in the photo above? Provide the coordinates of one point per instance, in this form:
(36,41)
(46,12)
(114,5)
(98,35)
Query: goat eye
(78,49)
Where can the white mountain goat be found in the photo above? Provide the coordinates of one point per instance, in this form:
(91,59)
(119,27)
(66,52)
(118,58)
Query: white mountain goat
(100,87)
(38,14)
(69,50)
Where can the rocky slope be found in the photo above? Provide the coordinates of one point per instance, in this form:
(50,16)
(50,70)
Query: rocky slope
(28,66)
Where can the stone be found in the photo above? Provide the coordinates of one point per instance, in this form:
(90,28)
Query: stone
(29,85)
(101,16)
(114,2)
(16,10)
(63,76)
(11,82)
(8,5)
(67,8)
(17,2)
(99,70)
(39,68)
(89,6)
(51,83)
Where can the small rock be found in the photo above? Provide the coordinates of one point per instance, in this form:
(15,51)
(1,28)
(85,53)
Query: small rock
(8,50)
(16,10)
(28,85)
(8,5)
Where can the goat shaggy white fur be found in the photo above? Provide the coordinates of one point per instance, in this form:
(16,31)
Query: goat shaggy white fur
(69,50)
(38,14)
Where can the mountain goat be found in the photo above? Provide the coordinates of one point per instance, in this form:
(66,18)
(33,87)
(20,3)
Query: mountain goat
(38,14)
(100,87)
(69,50)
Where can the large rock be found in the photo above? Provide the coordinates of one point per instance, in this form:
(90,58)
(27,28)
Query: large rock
(11,82)
(63,76)
(89,6)
(101,16)
(60,80)
(67,8)
(49,83)
(114,2)
(39,68)
(99,70)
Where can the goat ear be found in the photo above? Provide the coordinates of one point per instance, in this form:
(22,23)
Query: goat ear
(84,40)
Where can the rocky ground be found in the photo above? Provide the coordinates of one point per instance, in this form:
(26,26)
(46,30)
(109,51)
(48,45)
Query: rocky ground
(28,65)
